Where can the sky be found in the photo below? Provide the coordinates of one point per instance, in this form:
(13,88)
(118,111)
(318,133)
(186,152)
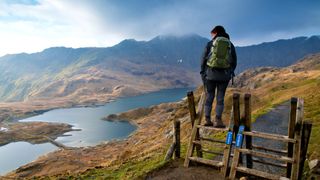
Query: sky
(33,25)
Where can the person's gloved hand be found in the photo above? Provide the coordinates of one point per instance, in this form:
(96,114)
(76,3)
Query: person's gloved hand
(232,74)
(203,77)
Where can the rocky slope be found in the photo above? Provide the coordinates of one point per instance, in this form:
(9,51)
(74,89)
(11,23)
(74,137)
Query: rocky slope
(129,68)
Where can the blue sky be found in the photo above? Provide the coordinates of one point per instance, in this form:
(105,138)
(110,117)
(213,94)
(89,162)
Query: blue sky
(33,25)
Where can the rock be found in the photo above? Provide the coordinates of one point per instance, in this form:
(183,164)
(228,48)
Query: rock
(3,129)
(111,117)
(169,134)
(313,164)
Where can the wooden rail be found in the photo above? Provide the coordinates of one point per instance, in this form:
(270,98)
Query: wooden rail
(266,155)
(269,136)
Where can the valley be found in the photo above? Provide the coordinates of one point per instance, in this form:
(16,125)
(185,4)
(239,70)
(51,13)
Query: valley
(144,150)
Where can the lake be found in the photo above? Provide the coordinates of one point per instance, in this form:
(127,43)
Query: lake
(94,130)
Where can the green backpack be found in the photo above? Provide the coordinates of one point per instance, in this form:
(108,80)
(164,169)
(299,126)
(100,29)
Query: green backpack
(220,53)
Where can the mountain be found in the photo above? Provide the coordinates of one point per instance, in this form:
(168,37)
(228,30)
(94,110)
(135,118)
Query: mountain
(279,53)
(128,68)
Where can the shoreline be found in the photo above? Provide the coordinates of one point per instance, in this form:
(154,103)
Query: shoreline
(33,132)
(108,153)
(36,112)
(119,142)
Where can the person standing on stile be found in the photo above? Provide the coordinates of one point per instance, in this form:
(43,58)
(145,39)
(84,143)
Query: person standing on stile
(218,63)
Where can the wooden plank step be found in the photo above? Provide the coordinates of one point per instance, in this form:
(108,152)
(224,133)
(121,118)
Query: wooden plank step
(269,136)
(213,128)
(212,140)
(197,142)
(265,155)
(260,173)
(269,149)
(211,152)
(206,161)
(269,163)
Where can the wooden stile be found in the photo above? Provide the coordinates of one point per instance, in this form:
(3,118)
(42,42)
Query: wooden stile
(194,141)
(299,140)
(293,158)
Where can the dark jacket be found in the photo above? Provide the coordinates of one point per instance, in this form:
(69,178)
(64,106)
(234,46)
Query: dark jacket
(217,74)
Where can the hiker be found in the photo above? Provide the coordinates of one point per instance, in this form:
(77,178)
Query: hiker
(218,63)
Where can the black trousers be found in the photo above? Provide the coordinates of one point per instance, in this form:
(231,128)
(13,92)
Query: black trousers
(215,89)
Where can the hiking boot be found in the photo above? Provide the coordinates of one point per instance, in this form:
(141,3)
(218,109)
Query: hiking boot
(218,123)
(208,122)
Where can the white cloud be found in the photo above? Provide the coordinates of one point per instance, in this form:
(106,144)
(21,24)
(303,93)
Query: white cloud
(32,27)
(25,28)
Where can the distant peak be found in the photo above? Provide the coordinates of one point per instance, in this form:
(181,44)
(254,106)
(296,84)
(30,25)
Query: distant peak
(314,37)
(56,48)
(129,40)
(174,37)
(163,37)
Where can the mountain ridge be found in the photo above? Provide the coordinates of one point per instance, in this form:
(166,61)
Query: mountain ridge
(165,61)
(159,37)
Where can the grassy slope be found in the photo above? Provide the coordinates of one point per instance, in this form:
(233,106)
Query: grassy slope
(284,84)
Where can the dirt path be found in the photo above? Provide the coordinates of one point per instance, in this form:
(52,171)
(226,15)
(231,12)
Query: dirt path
(275,121)
(175,171)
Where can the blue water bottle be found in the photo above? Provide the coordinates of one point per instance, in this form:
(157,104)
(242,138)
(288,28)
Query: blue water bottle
(229,138)
(241,129)
(239,140)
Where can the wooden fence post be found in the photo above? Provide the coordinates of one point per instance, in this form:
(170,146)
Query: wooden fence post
(297,137)
(193,115)
(247,123)
(175,146)
(170,152)
(305,137)
(291,125)
(236,117)
(176,138)
(192,107)
(236,113)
